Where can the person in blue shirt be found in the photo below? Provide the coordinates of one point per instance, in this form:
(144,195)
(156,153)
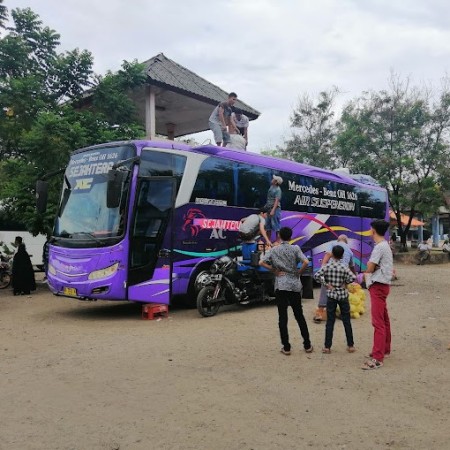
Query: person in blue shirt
(273,204)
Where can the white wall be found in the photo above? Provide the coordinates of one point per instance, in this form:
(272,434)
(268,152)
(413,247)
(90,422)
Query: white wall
(34,244)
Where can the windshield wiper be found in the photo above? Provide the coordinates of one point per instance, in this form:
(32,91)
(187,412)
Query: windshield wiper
(86,233)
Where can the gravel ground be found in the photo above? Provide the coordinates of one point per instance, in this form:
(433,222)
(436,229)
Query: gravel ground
(79,375)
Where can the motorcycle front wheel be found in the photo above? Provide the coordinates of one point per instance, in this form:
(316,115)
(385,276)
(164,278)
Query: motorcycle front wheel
(5,280)
(204,305)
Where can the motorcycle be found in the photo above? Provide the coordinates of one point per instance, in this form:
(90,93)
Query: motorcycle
(5,272)
(229,281)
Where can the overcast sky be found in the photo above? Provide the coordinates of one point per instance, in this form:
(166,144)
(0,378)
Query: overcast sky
(270,52)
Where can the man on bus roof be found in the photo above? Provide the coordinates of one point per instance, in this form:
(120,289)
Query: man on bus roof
(241,122)
(220,120)
(237,139)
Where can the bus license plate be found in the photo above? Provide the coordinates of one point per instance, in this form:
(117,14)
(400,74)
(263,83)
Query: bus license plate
(217,277)
(71,292)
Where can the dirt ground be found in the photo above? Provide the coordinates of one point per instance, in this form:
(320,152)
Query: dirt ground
(94,375)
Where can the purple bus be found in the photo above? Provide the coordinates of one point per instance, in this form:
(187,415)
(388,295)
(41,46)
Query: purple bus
(140,220)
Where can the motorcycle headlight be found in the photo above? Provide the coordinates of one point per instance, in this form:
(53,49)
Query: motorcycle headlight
(51,269)
(103,273)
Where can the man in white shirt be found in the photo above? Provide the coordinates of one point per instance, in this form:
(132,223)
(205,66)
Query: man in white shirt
(423,252)
(378,280)
(241,122)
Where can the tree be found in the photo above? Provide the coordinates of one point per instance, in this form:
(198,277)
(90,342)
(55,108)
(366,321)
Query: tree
(399,136)
(3,14)
(40,124)
(110,93)
(35,78)
(276,153)
(314,131)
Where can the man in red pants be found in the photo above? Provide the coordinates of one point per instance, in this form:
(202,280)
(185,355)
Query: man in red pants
(378,280)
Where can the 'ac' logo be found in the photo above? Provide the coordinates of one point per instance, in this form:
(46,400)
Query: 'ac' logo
(217,233)
(83,184)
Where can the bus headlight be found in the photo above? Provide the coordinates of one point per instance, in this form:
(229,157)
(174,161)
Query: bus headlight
(51,269)
(103,273)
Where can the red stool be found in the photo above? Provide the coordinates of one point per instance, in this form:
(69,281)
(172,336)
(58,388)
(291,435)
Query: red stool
(153,310)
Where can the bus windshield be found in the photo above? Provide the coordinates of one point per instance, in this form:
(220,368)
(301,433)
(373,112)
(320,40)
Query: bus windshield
(83,213)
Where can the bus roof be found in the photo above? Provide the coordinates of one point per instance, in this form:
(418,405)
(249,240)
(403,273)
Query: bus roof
(163,143)
(245,157)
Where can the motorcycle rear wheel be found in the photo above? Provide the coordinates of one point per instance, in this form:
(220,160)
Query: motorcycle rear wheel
(205,308)
(5,280)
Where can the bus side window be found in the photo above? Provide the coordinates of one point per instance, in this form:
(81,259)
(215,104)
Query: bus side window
(253,184)
(215,181)
(223,190)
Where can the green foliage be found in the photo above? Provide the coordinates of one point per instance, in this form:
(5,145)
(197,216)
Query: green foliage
(5,249)
(314,131)
(3,14)
(40,118)
(110,95)
(398,136)
(34,78)
(277,153)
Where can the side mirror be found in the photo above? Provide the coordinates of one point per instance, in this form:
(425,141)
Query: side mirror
(114,188)
(41,196)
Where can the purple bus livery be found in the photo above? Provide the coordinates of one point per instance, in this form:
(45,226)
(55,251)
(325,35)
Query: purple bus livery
(140,220)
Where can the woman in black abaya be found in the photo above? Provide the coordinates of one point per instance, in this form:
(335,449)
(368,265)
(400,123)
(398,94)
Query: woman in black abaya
(22,272)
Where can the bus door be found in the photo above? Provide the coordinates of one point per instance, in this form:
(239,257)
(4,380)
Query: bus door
(150,258)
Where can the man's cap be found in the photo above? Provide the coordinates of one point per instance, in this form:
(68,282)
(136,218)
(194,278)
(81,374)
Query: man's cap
(278,179)
(237,111)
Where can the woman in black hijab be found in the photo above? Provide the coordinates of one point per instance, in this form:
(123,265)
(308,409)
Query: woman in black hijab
(22,272)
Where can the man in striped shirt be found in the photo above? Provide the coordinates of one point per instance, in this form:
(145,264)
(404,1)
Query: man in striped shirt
(335,276)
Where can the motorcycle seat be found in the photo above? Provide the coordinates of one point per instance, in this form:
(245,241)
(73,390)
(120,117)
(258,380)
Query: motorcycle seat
(246,265)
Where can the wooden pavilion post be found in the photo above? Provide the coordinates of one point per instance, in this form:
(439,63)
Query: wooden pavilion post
(170,131)
(150,111)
